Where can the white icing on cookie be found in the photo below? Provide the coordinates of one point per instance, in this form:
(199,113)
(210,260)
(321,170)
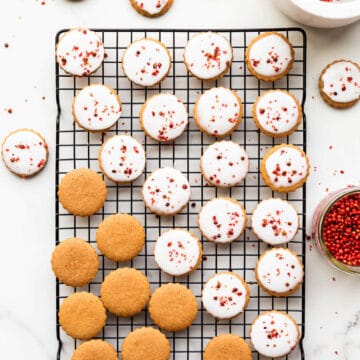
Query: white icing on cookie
(279,271)
(270,55)
(218,111)
(208,55)
(97,108)
(342,82)
(274,334)
(277,112)
(122,158)
(24,152)
(80,52)
(164,117)
(146,62)
(224,296)
(224,164)
(222,220)
(152,7)
(177,252)
(166,191)
(275,221)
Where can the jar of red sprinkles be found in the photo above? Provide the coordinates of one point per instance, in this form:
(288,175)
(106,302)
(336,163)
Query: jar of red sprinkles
(336,229)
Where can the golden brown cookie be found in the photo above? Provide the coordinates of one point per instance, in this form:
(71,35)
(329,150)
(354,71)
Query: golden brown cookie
(74,262)
(95,350)
(227,347)
(82,315)
(125,292)
(120,237)
(82,192)
(173,307)
(145,343)
(151,8)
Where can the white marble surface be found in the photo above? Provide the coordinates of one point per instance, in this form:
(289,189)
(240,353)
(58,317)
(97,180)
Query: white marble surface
(27,305)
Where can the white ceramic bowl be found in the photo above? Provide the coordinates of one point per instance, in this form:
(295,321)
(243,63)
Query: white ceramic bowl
(321,14)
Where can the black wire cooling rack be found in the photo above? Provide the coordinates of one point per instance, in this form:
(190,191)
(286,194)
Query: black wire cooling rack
(76,148)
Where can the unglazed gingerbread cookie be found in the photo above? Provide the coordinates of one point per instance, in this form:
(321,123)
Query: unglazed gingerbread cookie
(82,315)
(166,191)
(82,192)
(285,168)
(208,56)
(80,52)
(279,272)
(95,349)
(339,83)
(274,334)
(225,295)
(24,152)
(275,221)
(277,113)
(222,220)
(146,62)
(122,158)
(163,117)
(173,307)
(96,107)
(224,164)
(178,252)
(218,112)
(270,56)
(151,8)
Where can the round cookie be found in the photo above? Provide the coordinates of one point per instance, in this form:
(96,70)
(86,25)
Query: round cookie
(95,350)
(226,347)
(120,237)
(218,112)
(339,83)
(82,192)
(74,262)
(82,315)
(279,272)
(222,220)
(24,152)
(146,62)
(285,168)
(270,56)
(80,52)
(275,221)
(125,292)
(166,191)
(274,334)
(208,56)
(224,164)
(225,295)
(96,108)
(178,252)
(173,307)
(151,8)
(145,343)
(163,117)
(277,113)
(122,158)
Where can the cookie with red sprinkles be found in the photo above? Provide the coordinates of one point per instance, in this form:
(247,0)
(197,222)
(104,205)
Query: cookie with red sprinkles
(151,8)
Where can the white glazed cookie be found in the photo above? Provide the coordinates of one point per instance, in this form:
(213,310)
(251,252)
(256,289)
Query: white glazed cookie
(166,191)
(225,295)
(146,62)
(224,164)
(163,117)
(270,56)
(178,252)
(275,221)
(222,220)
(277,113)
(96,108)
(24,152)
(80,52)
(218,112)
(122,158)
(274,334)
(151,8)
(208,56)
